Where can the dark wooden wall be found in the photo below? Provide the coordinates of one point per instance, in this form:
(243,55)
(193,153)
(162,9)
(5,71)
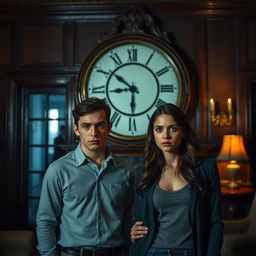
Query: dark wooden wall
(44,45)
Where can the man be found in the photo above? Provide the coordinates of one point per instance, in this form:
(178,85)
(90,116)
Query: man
(58,141)
(86,200)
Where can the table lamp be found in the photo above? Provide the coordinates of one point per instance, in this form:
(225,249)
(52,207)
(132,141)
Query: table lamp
(232,150)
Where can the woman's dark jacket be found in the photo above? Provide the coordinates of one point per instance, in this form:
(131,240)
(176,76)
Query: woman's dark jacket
(207,225)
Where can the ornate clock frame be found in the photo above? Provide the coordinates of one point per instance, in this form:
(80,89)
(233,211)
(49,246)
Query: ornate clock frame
(135,27)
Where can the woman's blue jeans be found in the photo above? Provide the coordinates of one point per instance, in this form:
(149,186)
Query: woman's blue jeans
(169,252)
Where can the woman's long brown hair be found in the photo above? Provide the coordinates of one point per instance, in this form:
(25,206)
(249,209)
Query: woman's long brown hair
(154,160)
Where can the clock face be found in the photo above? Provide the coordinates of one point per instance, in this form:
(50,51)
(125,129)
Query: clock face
(134,77)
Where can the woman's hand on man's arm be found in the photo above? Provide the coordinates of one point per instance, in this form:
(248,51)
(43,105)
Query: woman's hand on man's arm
(138,231)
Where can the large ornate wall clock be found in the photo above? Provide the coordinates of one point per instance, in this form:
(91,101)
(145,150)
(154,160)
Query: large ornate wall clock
(135,72)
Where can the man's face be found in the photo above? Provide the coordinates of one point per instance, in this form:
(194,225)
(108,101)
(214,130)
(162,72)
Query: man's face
(93,130)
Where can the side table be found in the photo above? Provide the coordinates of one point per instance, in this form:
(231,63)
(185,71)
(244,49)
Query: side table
(236,203)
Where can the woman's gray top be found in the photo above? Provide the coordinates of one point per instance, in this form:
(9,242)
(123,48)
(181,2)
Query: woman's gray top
(173,218)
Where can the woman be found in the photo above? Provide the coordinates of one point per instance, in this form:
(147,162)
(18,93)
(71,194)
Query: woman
(177,204)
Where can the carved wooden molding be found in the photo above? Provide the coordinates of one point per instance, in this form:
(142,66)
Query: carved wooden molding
(135,20)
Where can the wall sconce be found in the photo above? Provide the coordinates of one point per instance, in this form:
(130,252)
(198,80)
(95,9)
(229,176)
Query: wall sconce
(232,150)
(221,118)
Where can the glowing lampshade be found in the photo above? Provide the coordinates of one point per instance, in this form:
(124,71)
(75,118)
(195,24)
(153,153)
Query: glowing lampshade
(233,150)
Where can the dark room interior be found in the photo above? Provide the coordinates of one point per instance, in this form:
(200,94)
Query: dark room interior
(46,49)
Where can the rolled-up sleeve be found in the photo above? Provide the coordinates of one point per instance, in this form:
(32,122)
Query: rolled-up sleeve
(48,212)
(128,208)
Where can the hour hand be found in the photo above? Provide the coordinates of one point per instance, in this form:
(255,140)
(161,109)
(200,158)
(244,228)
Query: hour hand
(121,79)
(119,90)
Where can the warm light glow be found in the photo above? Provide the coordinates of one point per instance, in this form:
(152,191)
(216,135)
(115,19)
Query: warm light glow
(229,105)
(222,117)
(212,105)
(232,149)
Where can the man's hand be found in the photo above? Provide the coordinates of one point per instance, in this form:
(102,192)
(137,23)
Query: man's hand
(138,231)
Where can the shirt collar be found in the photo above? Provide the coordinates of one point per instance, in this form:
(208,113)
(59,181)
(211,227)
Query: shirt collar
(80,156)
(109,157)
(82,159)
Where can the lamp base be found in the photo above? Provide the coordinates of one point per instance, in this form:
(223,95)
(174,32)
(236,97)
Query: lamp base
(233,170)
(233,185)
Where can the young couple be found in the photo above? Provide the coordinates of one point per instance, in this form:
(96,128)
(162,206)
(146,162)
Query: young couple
(87,199)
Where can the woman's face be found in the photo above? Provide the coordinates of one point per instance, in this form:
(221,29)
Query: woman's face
(168,135)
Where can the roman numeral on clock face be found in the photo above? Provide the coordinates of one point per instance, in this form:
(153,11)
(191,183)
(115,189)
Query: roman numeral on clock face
(132,124)
(132,54)
(116,59)
(160,102)
(149,58)
(115,118)
(98,89)
(166,87)
(104,72)
(162,71)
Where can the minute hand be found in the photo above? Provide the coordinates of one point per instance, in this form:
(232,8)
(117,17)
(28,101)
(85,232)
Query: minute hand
(121,79)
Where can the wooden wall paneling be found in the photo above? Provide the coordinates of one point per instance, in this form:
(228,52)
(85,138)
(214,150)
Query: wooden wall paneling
(183,33)
(225,54)
(86,36)
(11,135)
(70,87)
(15,47)
(8,150)
(252,41)
(43,44)
(12,150)
(202,113)
(247,95)
(5,45)
(222,59)
(253,125)
(3,145)
(243,123)
(69,45)
(243,93)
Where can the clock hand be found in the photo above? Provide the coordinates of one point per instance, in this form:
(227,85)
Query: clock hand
(132,87)
(133,104)
(121,79)
(119,90)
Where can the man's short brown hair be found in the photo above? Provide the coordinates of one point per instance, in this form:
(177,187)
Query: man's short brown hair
(88,106)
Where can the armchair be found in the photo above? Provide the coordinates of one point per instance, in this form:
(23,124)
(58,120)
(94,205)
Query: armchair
(17,242)
(240,235)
